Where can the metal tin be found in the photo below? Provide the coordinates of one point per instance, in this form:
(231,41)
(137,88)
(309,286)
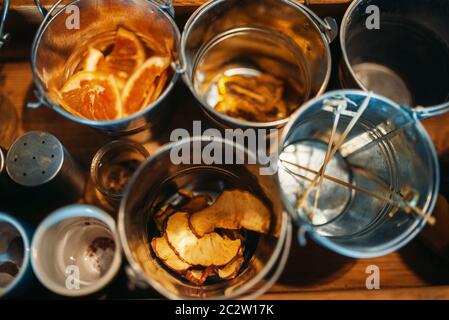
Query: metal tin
(399,49)
(387,152)
(39,163)
(76,251)
(292,28)
(159,176)
(54,43)
(15,267)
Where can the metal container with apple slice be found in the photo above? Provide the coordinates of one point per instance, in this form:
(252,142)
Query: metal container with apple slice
(193,230)
(254,63)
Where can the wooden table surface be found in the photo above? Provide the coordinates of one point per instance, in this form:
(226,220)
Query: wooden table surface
(312,272)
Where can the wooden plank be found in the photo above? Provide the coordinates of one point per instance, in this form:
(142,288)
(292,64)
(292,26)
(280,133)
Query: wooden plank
(430,293)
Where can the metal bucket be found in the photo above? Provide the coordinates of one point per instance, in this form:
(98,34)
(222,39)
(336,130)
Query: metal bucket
(279,38)
(76,251)
(406,59)
(381,185)
(15,268)
(54,43)
(159,176)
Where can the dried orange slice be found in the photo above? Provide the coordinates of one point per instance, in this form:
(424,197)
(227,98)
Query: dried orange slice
(126,56)
(145,85)
(92,95)
(93,59)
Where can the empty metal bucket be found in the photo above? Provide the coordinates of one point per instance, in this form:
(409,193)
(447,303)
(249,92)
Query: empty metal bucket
(399,49)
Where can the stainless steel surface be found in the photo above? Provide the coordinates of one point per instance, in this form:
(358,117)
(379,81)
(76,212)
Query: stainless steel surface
(54,44)
(406,59)
(159,178)
(281,38)
(38,159)
(387,152)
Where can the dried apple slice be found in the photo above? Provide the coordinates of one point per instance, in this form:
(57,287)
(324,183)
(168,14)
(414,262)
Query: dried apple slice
(166,254)
(232,234)
(232,210)
(162,215)
(199,276)
(231,270)
(197,203)
(210,250)
(193,204)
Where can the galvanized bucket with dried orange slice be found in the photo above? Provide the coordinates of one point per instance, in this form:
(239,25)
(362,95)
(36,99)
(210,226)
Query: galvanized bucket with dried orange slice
(111,67)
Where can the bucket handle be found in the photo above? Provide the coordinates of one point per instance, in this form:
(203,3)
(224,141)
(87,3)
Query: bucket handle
(422,113)
(4,37)
(328,26)
(166,5)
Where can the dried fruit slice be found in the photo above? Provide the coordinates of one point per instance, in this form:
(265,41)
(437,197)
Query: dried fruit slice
(156,89)
(162,215)
(126,56)
(92,95)
(186,193)
(197,203)
(255,98)
(199,276)
(210,250)
(231,270)
(164,252)
(232,210)
(93,59)
(145,85)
